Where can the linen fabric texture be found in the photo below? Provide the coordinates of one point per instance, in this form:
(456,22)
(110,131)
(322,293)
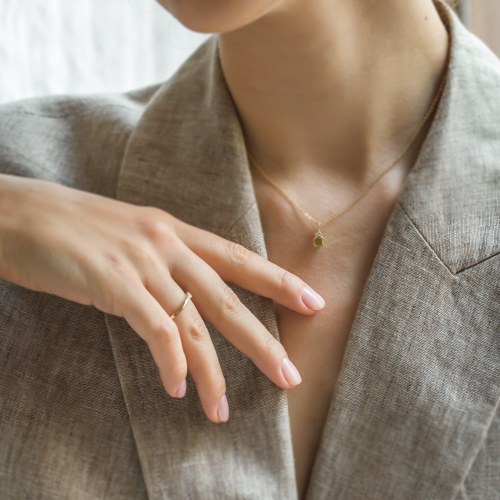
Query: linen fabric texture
(83,414)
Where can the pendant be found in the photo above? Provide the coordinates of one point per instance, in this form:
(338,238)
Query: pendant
(318,239)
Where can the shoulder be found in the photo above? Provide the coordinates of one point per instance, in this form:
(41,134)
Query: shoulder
(73,140)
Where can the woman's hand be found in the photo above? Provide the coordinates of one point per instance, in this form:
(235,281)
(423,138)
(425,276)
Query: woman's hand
(136,262)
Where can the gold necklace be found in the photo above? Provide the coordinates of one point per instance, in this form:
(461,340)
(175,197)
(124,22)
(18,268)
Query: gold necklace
(319,239)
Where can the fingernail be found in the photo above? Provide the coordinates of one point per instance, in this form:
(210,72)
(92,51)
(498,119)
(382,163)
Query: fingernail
(181,390)
(223,409)
(311,299)
(291,374)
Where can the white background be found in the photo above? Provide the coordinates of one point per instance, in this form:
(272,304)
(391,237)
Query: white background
(86,46)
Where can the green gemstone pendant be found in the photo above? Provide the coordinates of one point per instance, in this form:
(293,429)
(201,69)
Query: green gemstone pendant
(318,239)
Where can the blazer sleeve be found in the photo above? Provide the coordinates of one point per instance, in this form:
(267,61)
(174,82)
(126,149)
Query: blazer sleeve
(75,141)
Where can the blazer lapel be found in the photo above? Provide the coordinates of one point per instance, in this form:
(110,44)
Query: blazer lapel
(420,380)
(187,156)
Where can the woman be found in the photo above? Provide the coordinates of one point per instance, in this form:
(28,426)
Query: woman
(382,117)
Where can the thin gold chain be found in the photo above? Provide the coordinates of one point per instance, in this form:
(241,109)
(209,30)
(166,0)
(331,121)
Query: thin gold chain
(367,188)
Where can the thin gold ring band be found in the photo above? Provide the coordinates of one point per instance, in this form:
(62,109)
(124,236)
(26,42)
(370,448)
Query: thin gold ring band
(184,304)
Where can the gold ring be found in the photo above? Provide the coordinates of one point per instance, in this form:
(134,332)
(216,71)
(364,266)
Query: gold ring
(184,304)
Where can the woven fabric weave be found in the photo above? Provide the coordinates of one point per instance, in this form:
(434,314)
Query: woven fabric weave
(83,413)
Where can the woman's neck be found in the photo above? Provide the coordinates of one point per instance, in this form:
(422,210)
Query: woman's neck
(334,86)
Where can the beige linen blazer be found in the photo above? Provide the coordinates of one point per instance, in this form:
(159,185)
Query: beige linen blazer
(83,414)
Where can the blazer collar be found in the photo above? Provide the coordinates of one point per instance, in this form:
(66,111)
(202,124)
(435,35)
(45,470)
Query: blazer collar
(187,156)
(452,190)
(190,130)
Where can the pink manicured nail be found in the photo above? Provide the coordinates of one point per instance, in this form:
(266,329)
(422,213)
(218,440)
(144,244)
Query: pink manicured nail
(291,374)
(181,390)
(223,409)
(311,299)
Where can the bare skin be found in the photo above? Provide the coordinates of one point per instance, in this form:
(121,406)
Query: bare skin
(339,271)
(328,93)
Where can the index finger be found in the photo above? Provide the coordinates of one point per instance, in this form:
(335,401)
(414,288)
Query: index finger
(236,264)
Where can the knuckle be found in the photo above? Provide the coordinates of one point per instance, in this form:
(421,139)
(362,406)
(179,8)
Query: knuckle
(141,255)
(230,301)
(269,346)
(285,279)
(197,329)
(115,266)
(166,332)
(238,253)
(154,226)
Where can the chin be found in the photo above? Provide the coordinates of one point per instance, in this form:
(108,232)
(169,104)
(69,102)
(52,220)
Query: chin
(217,16)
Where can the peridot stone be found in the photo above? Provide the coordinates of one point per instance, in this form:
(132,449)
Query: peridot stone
(318,240)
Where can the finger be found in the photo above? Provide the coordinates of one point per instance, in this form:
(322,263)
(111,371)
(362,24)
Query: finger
(150,321)
(236,264)
(201,356)
(219,305)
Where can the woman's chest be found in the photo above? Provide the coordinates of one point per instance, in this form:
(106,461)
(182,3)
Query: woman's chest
(338,272)
(316,344)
